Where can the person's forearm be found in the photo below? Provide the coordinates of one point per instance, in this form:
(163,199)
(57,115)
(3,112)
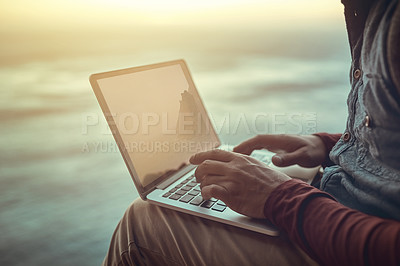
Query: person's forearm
(329,232)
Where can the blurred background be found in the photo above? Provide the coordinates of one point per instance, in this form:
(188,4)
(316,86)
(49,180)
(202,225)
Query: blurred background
(63,184)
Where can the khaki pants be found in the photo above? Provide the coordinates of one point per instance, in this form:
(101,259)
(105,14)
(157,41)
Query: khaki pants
(152,235)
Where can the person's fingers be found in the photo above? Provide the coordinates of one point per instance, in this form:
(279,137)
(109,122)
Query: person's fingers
(214,179)
(269,142)
(216,155)
(286,159)
(247,146)
(215,191)
(209,167)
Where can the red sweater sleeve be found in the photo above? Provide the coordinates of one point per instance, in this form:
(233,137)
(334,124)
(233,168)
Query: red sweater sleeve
(329,232)
(329,141)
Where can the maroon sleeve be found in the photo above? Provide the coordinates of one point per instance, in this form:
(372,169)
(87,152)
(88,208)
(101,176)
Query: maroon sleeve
(329,232)
(329,141)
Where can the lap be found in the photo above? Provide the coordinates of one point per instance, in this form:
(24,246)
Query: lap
(152,235)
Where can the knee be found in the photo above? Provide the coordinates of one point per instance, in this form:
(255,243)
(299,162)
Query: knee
(142,216)
(136,212)
(136,206)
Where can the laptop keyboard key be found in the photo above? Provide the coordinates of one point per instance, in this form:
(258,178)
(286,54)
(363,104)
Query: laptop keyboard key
(178,186)
(166,195)
(218,207)
(207,204)
(221,203)
(181,192)
(191,184)
(173,190)
(175,196)
(197,201)
(194,193)
(186,198)
(186,188)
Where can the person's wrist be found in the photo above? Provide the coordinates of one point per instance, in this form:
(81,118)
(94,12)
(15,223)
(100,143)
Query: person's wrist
(276,186)
(320,150)
(272,195)
(326,149)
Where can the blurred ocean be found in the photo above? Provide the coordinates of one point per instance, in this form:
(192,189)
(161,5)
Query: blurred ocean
(61,202)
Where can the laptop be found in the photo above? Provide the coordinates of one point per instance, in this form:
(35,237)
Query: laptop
(159,121)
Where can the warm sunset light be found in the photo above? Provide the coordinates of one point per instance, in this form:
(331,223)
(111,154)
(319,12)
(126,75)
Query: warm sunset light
(80,14)
(279,66)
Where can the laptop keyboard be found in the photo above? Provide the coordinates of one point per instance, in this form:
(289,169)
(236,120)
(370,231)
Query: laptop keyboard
(188,191)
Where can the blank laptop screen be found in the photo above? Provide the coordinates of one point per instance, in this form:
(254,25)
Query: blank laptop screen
(160,118)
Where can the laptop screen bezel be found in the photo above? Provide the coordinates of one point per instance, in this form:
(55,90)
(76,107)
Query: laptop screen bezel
(143,190)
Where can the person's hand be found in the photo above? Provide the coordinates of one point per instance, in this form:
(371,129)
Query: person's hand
(306,151)
(240,181)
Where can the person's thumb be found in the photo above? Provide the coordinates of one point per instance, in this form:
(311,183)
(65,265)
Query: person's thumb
(286,159)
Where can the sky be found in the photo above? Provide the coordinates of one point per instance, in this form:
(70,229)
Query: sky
(40,29)
(74,14)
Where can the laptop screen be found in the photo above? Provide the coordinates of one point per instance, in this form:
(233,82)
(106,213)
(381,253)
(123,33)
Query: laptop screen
(159,117)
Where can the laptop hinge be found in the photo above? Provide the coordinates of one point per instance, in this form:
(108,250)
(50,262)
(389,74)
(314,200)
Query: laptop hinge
(176,176)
